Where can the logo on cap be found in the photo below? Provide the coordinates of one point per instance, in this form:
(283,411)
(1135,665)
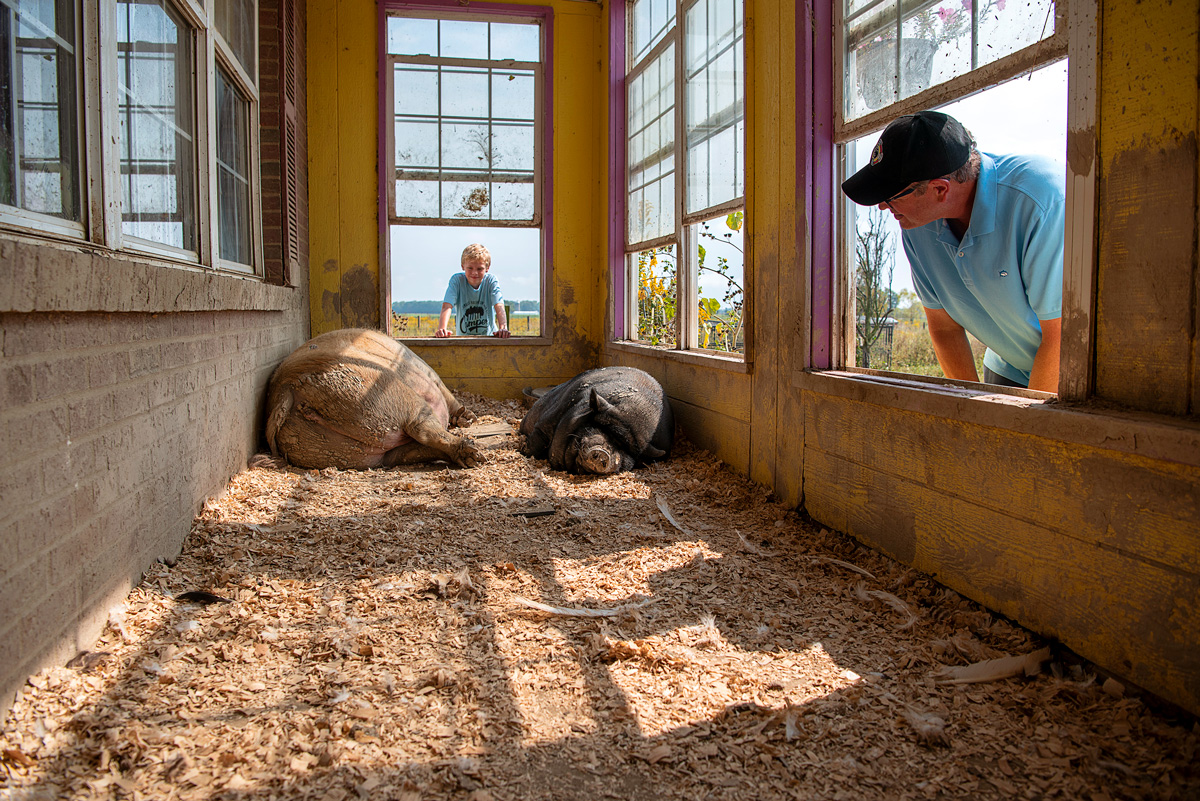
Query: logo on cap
(877,153)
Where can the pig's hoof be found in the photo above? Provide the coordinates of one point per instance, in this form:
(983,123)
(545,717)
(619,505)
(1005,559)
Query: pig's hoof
(469,454)
(463,418)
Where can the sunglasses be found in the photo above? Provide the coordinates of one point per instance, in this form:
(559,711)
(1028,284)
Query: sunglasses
(899,195)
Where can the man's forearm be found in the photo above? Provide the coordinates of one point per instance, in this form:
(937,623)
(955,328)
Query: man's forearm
(1044,375)
(950,346)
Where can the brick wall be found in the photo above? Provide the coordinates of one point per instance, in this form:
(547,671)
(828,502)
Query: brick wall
(115,428)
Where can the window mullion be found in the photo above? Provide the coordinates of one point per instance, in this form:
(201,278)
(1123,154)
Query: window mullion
(684,277)
(102,102)
(207,148)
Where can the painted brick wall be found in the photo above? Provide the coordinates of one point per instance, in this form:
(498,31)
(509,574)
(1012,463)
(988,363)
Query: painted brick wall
(115,428)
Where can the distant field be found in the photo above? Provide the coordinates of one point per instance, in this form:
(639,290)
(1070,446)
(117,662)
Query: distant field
(424,325)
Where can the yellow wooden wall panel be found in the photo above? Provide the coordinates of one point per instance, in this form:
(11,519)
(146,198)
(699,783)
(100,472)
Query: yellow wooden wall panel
(1113,500)
(323,147)
(1134,617)
(725,437)
(1146,280)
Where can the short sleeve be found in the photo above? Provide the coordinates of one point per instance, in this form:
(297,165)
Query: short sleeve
(452,291)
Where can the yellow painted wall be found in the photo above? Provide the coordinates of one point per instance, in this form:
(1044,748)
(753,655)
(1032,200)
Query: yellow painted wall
(345,241)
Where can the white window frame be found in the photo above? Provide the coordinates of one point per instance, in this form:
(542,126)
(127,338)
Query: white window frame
(1039,54)
(684,237)
(99,127)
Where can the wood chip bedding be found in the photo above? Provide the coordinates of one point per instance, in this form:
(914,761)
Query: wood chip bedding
(666,633)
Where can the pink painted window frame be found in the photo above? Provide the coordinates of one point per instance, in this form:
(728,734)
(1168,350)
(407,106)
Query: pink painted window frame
(543,13)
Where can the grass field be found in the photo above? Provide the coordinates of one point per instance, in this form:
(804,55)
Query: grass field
(424,325)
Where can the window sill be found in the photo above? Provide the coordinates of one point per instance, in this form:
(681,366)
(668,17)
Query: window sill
(718,361)
(475,342)
(40,275)
(1023,411)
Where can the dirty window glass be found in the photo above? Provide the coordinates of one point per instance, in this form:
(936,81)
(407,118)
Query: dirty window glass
(157,143)
(39,108)
(683,223)
(233,178)
(898,48)
(464,127)
(236,22)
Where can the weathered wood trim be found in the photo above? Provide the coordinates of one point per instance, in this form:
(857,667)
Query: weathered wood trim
(716,361)
(1076,370)
(1143,434)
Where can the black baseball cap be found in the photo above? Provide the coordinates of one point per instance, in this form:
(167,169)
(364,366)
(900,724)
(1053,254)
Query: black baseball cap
(915,147)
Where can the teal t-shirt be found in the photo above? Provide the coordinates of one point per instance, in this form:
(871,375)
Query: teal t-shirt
(473,307)
(1006,275)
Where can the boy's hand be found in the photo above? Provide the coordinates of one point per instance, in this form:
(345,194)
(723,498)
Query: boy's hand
(443,332)
(502,333)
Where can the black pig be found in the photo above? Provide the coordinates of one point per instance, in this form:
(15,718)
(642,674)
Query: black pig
(602,421)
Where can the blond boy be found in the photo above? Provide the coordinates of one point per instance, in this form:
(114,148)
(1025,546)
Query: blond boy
(469,294)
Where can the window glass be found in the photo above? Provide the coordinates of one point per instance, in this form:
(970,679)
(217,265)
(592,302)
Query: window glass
(651,150)
(39,144)
(157,144)
(233,179)
(893,50)
(716,127)
(655,276)
(650,20)
(465,136)
(235,21)
(720,282)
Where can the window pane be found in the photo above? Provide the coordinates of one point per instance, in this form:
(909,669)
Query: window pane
(424,257)
(233,175)
(158,155)
(516,42)
(39,146)
(720,282)
(1008,27)
(235,20)
(938,42)
(412,37)
(463,39)
(465,141)
(715,103)
(650,19)
(651,150)
(656,295)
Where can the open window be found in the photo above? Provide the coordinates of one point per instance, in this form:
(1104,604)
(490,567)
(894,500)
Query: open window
(998,66)
(465,107)
(685,132)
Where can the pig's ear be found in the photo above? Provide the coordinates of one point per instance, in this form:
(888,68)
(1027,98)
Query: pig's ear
(599,404)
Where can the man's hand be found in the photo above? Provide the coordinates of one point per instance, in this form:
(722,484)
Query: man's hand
(502,333)
(443,332)
(951,346)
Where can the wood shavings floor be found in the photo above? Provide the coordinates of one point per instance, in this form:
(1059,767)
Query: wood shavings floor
(374,647)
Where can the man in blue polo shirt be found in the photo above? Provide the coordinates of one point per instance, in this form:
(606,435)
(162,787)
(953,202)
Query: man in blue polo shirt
(984,236)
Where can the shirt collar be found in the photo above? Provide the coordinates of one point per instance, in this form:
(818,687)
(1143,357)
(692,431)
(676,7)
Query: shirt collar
(983,208)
